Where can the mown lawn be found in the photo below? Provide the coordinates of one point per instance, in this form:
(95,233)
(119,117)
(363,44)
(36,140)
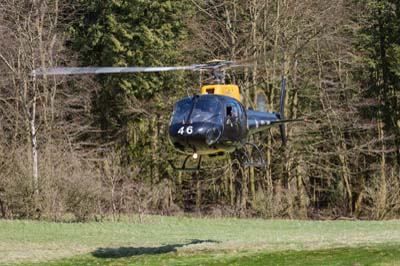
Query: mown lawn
(190,241)
(376,255)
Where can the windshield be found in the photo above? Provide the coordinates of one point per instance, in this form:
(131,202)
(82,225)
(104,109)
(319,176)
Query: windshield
(206,109)
(181,110)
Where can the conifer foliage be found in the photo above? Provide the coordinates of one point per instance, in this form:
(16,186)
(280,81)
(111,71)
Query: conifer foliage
(128,33)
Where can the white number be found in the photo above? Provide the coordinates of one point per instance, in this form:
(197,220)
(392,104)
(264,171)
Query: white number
(189,130)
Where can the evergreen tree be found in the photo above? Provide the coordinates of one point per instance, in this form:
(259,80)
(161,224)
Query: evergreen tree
(129,33)
(380,47)
(133,109)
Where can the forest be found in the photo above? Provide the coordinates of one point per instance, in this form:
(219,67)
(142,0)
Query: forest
(91,147)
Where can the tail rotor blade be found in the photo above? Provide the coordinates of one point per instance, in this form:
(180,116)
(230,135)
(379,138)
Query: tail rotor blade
(282,99)
(282,109)
(283,133)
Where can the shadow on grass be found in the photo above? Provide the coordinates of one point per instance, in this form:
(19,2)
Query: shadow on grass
(122,252)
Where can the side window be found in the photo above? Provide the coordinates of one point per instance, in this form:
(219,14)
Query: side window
(229,111)
(232,115)
(232,111)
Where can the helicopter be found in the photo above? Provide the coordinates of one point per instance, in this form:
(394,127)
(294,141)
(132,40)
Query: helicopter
(212,123)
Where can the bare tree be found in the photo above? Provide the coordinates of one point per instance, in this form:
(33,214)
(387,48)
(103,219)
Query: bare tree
(30,108)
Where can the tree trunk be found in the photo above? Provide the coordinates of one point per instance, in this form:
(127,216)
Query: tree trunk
(154,130)
(35,170)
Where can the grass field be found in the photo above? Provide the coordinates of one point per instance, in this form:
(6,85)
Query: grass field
(190,241)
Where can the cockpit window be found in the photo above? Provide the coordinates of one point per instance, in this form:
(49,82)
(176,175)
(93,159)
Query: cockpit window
(206,109)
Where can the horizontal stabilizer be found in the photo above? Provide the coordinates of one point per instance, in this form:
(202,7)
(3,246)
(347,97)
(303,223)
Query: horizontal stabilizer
(284,121)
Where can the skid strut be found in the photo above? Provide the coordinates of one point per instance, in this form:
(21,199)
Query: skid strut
(245,159)
(184,168)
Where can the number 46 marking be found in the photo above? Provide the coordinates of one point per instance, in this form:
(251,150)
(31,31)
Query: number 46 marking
(189,130)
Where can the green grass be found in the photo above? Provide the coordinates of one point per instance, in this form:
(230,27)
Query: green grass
(377,255)
(189,241)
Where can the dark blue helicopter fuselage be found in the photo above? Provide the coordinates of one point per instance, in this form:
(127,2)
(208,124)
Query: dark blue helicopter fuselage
(214,124)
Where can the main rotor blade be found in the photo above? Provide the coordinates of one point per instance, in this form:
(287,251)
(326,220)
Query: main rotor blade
(104,70)
(213,65)
(243,63)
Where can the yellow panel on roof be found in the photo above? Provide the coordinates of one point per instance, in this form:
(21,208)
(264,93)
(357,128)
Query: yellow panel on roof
(222,89)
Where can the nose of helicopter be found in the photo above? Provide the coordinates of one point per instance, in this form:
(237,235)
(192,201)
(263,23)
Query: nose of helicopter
(194,137)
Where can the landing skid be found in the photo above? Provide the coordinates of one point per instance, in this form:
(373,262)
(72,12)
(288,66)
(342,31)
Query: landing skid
(241,154)
(244,158)
(184,168)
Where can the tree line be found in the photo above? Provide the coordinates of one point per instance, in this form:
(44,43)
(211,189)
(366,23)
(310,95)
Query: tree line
(91,147)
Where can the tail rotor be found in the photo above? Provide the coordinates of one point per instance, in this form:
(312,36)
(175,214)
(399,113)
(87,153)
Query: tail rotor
(282,109)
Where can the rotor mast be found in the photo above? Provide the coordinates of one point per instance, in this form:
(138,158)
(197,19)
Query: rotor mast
(219,76)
